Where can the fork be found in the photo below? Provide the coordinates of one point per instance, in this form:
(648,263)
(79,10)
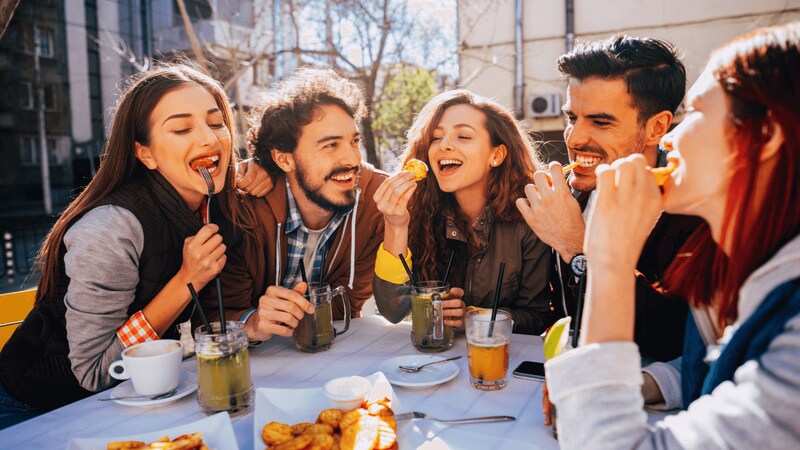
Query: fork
(421,415)
(211,188)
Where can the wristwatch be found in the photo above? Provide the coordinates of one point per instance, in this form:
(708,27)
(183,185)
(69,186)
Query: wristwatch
(578,264)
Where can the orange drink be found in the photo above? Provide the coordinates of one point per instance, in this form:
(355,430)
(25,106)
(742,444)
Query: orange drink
(487,363)
(487,348)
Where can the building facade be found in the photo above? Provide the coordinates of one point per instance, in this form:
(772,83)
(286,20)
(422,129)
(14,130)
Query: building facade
(492,58)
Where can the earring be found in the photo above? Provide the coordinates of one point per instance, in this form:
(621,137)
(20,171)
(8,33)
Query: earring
(494,163)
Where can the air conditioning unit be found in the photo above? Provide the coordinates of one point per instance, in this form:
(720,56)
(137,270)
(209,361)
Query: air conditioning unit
(544,105)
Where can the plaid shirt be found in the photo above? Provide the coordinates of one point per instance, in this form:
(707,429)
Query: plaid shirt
(297,236)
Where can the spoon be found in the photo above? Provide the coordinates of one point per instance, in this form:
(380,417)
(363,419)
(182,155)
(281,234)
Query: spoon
(146,397)
(415,369)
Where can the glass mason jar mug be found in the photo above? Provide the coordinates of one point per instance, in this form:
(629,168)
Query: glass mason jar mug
(223,369)
(429,334)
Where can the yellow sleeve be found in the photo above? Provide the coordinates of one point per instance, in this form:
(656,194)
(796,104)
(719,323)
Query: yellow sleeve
(389,268)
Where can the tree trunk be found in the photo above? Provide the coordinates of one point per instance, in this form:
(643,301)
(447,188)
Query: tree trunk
(369,141)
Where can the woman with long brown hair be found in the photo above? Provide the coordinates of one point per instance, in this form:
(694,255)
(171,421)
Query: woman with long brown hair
(116,264)
(737,152)
(480,160)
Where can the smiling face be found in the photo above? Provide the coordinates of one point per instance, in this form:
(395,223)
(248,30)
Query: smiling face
(602,126)
(326,161)
(699,184)
(186,130)
(461,154)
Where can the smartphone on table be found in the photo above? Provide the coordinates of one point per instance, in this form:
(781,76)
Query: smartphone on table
(530,369)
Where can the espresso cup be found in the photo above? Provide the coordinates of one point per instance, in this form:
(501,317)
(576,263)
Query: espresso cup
(153,366)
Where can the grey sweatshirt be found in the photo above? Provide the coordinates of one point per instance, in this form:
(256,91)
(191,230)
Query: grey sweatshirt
(102,259)
(597,388)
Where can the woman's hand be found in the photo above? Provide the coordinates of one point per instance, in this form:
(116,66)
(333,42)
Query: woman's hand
(392,198)
(627,206)
(203,257)
(453,309)
(253,179)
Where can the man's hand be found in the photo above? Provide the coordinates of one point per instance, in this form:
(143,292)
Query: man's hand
(254,179)
(453,309)
(279,311)
(553,213)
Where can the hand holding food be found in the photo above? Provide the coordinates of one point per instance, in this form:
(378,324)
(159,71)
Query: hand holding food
(417,168)
(663,173)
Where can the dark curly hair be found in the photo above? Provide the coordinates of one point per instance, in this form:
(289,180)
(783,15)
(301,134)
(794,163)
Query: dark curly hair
(279,114)
(430,207)
(651,68)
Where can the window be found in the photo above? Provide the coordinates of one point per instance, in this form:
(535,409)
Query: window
(50,97)
(29,150)
(45,43)
(26,98)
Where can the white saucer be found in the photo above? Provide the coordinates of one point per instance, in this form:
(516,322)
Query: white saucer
(425,378)
(186,385)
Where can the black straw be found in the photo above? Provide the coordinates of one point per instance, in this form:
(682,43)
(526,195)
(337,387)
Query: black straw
(578,311)
(408,271)
(199,308)
(222,326)
(496,301)
(324,251)
(447,269)
(303,272)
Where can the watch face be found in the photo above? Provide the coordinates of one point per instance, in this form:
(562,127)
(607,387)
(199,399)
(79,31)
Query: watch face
(578,264)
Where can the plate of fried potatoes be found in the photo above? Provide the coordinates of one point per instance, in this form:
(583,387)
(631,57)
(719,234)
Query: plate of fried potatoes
(295,419)
(211,433)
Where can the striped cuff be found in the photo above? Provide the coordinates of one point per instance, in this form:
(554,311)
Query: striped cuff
(136,330)
(389,268)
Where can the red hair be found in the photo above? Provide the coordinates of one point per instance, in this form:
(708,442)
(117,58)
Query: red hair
(759,74)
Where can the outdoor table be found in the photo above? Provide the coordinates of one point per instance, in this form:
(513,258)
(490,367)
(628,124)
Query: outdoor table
(276,364)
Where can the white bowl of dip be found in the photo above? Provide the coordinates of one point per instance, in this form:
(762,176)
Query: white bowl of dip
(347,392)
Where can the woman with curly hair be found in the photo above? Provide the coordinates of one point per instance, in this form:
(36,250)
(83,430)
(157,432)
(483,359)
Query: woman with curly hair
(480,161)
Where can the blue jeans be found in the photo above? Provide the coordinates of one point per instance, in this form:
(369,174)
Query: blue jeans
(13,411)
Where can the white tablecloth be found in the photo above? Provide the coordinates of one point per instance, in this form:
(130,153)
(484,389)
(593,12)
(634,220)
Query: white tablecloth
(276,364)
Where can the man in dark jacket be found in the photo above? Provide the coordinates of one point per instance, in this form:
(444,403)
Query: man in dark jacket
(621,97)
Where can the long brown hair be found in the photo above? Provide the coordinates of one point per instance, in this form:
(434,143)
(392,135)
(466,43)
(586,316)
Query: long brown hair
(119,164)
(430,207)
(760,74)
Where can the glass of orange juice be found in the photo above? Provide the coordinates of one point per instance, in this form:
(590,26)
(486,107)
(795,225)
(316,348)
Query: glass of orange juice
(487,348)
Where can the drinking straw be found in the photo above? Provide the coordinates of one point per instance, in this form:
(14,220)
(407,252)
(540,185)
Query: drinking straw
(578,311)
(447,269)
(303,272)
(324,251)
(496,301)
(408,271)
(222,327)
(199,308)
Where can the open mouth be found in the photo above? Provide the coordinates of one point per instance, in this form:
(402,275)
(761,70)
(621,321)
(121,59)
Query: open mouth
(587,161)
(211,163)
(449,166)
(344,178)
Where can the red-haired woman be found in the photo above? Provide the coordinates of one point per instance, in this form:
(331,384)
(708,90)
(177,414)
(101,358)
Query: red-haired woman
(738,155)
(480,160)
(116,264)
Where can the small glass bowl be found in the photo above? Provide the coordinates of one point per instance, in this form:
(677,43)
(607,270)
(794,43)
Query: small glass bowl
(347,392)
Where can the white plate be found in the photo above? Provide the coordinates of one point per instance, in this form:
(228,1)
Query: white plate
(217,433)
(425,378)
(291,406)
(186,385)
